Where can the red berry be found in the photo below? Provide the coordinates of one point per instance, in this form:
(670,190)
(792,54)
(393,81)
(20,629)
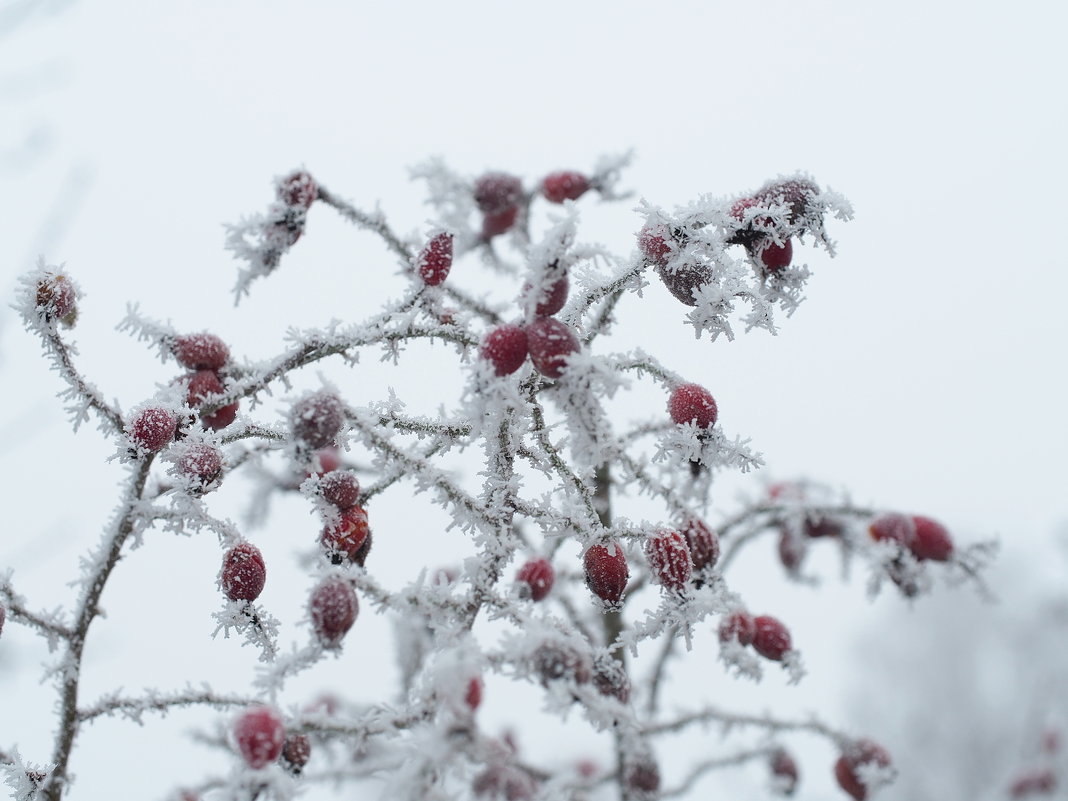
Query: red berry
(738,626)
(298,190)
(555,661)
(642,776)
(770,638)
(684,280)
(653,243)
(333,610)
(296,752)
(496,224)
(324,461)
(606,572)
(203,384)
(202,351)
(775,257)
(784,771)
(317,418)
(552,297)
(201,463)
(797,193)
(893,527)
(791,550)
(505,347)
(536,576)
(504,781)
(823,527)
(1035,782)
(56,297)
(436,259)
(551,343)
(856,754)
(670,559)
(260,735)
(473,696)
(693,403)
(931,541)
(610,678)
(152,429)
(342,540)
(497,191)
(704,544)
(341,488)
(560,186)
(243,572)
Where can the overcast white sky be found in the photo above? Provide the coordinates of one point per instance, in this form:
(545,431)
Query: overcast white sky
(925,371)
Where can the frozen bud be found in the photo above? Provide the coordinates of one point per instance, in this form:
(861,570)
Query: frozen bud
(931,540)
(473,695)
(564,185)
(642,776)
(552,296)
(504,782)
(496,192)
(505,347)
(201,464)
(298,190)
(260,735)
(610,678)
(692,403)
(796,193)
(893,527)
(551,344)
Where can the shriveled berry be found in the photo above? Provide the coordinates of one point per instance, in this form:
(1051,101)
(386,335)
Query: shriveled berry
(505,347)
(703,542)
(316,419)
(565,185)
(504,782)
(333,610)
(260,735)
(739,627)
(435,260)
(796,193)
(784,771)
(610,678)
(856,754)
(201,463)
(153,428)
(340,488)
(56,297)
(296,752)
(771,639)
(653,243)
(496,224)
(298,190)
(201,351)
(893,527)
(692,403)
(342,540)
(536,578)
(497,191)
(606,572)
(473,695)
(670,560)
(554,661)
(552,297)
(243,572)
(775,257)
(551,343)
(931,541)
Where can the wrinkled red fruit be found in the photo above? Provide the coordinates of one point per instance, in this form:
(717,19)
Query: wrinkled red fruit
(775,257)
(642,776)
(861,752)
(201,463)
(298,190)
(243,572)
(342,540)
(152,429)
(260,735)
(551,343)
(670,560)
(497,191)
(504,781)
(784,771)
(738,626)
(552,298)
(555,661)
(333,610)
(566,185)
(296,752)
(536,577)
(56,297)
(606,572)
(496,224)
(693,403)
(653,243)
(931,541)
(893,527)
(340,488)
(703,542)
(317,419)
(610,678)
(1036,782)
(435,261)
(770,638)
(473,696)
(202,351)
(505,347)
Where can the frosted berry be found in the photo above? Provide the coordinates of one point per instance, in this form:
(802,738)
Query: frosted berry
(1041,781)
(552,298)
(796,193)
(497,191)
(243,572)
(333,610)
(551,343)
(504,782)
(784,771)
(893,527)
(775,257)
(505,347)
(856,754)
(610,678)
(606,572)
(152,429)
(342,540)
(536,578)
(703,542)
(56,298)
(316,419)
(200,463)
(555,661)
(653,243)
(296,752)
(739,627)
(791,550)
(692,403)
(203,384)
(473,695)
(202,351)
(260,735)
(670,560)
(496,224)
(642,776)
(931,541)
(435,260)
(340,488)
(298,190)
(684,279)
(324,461)
(560,186)
(771,639)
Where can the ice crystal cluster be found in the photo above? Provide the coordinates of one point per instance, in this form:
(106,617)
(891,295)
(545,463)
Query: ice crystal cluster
(564,593)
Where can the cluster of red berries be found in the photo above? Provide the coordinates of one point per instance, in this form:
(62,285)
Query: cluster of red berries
(768,636)
(500,197)
(261,738)
(924,538)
